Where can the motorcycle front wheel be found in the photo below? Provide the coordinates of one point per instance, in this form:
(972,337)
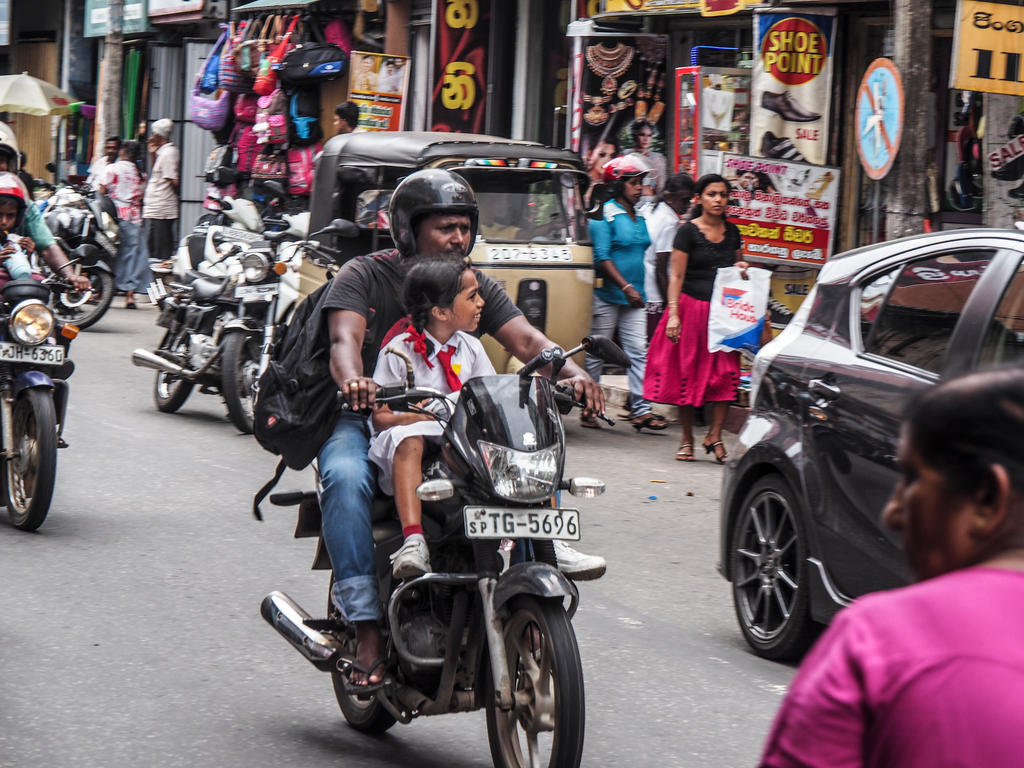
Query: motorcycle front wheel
(29,475)
(545,726)
(169,391)
(86,309)
(239,366)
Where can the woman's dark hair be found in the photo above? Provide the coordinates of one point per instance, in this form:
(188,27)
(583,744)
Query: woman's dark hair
(703,183)
(963,426)
(131,149)
(429,284)
(679,183)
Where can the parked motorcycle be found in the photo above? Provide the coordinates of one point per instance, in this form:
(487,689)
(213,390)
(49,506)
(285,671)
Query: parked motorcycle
(84,224)
(33,397)
(221,326)
(473,635)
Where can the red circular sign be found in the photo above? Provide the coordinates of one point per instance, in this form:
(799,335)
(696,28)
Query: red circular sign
(794,51)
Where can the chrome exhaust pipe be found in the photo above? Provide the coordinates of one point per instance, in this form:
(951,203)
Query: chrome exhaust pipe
(146,359)
(285,615)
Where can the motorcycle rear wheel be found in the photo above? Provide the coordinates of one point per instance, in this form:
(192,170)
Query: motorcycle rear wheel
(545,670)
(95,307)
(169,391)
(365,715)
(30,475)
(239,366)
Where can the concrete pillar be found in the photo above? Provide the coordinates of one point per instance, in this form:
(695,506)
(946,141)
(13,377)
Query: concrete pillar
(396,28)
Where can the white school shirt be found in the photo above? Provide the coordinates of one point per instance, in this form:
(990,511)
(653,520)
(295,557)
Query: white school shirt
(661,224)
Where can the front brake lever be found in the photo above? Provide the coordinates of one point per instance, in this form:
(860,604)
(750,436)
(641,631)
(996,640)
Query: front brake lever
(577,404)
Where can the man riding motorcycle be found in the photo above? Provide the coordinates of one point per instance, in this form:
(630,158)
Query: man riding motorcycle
(433,214)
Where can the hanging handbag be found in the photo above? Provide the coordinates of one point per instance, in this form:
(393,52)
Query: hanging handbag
(304,117)
(209,79)
(313,61)
(336,32)
(266,79)
(300,169)
(270,165)
(246,107)
(247,53)
(271,121)
(246,148)
(231,77)
(209,113)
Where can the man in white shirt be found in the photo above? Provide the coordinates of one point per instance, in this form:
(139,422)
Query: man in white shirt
(160,201)
(110,149)
(662,221)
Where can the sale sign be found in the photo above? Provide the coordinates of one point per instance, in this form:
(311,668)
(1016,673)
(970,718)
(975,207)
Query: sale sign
(460,65)
(786,212)
(792,86)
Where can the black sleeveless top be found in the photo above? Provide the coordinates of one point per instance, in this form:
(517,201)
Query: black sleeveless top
(705,257)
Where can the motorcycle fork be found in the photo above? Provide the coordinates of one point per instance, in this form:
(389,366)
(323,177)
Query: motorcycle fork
(268,336)
(7,417)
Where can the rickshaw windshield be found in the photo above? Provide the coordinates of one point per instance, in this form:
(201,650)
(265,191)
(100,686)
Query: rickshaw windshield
(528,207)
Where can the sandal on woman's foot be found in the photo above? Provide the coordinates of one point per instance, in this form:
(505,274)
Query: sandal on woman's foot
(649,420)
(713,448)
(589,422)
(685,452)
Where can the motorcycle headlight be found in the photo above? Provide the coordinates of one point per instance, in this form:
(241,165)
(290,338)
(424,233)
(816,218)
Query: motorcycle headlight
(31,322)
(520,475)
(255,266)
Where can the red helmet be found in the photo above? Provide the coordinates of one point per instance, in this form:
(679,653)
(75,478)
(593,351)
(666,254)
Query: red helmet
(12,188)
(620,168)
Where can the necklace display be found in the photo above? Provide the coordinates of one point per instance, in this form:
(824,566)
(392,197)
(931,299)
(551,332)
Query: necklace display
(609,62)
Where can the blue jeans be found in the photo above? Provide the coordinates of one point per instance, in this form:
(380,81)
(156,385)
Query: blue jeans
(632,327)
(132,268)
(348,482)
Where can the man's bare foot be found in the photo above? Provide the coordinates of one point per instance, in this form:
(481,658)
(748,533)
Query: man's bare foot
(369,654)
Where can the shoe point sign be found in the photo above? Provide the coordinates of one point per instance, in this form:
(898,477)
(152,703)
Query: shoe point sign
(879,118)
(794,50)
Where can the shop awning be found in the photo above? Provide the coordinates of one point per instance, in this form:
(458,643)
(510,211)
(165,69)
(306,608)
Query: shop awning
(270,5)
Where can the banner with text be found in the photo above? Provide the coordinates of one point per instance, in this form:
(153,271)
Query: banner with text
(786,212)
(460,65)
(378,84)
(792,85)
(987,48)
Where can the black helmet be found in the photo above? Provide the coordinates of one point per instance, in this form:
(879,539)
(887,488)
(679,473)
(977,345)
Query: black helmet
(424,192)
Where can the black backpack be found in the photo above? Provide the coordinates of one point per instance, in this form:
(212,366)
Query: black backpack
(304,117)
(297,402)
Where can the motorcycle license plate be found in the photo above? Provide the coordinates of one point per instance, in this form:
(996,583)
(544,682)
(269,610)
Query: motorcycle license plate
(504,522)
(255,292)
(42,355)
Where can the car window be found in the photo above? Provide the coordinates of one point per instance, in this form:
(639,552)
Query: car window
(908,314)
(1004,341)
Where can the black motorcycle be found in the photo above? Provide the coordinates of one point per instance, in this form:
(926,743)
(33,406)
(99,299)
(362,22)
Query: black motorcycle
(84,224)
(474,634)
(33,397)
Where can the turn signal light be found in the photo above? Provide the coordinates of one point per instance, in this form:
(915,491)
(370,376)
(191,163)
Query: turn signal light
(280,268)
(69,331)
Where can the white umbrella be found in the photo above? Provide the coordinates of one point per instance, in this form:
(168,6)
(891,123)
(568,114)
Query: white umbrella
(31,96)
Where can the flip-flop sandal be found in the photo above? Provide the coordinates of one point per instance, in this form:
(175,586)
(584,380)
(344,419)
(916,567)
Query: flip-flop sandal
(685,452)
(351,665)
(651,421)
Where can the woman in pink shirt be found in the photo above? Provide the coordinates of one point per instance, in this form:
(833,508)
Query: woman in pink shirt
(931,675)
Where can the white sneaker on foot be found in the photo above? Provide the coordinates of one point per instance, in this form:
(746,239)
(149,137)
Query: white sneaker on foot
(577,565)
(412,559)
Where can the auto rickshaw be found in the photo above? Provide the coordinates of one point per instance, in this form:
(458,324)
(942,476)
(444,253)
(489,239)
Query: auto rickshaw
(532,239)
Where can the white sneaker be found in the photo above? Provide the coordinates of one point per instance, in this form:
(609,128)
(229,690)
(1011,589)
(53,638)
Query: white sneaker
(577,565)
(412,559)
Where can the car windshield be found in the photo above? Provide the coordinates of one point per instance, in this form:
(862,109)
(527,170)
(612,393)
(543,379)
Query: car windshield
(528,207)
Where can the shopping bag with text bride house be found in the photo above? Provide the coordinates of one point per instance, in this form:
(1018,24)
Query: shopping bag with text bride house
(738,309)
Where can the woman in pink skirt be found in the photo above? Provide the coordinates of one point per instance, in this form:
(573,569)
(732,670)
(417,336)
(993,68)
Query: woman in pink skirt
(680,369)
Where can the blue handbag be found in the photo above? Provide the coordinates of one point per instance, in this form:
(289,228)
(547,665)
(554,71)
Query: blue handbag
(208,83)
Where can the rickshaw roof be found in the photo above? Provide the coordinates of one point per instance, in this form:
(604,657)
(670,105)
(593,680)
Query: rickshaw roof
(415,149)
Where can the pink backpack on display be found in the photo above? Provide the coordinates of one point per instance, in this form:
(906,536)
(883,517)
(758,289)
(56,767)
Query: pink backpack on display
(271,121)
(301,163)
(245,107)
(246,147)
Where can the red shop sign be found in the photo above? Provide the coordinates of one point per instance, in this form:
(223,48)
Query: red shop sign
(460,65)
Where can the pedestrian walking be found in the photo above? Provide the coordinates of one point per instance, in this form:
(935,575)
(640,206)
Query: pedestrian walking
(620,238)
(931,675)
(160,200)
(123,183)
(663,219)
(681,371)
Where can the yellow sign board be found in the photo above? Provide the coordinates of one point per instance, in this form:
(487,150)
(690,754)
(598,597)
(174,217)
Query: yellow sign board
(706,7)
(988,49)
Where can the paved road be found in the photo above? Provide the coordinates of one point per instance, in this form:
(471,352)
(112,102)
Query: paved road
(130,632)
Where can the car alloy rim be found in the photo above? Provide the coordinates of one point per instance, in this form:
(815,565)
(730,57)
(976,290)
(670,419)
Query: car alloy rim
(765,565)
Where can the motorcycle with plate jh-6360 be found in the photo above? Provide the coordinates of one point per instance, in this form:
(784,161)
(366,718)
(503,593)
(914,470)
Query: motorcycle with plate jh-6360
(475,633)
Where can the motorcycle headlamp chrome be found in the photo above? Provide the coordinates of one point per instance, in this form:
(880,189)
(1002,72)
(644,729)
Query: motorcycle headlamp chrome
(255,265)
(31,322)
(521,475)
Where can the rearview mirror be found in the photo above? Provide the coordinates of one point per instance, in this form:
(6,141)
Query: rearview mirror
(605,349)
(341,228)
(275,188)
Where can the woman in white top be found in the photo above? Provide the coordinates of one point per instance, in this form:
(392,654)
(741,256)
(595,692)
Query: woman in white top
(444,305)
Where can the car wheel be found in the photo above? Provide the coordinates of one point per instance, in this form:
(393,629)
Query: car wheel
(768,566)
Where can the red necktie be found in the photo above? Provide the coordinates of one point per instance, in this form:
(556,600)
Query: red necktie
(445,356)
(419,345)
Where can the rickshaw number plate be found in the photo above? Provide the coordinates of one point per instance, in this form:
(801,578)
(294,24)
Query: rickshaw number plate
(501,523)
(522,253)
(255,292)
(16,353)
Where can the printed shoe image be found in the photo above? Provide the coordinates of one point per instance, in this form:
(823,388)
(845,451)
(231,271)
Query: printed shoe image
(785,107)
(780,148)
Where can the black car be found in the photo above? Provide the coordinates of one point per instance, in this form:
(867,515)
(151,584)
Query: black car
(815,462)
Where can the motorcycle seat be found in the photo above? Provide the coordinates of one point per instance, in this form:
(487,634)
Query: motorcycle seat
(206,288)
